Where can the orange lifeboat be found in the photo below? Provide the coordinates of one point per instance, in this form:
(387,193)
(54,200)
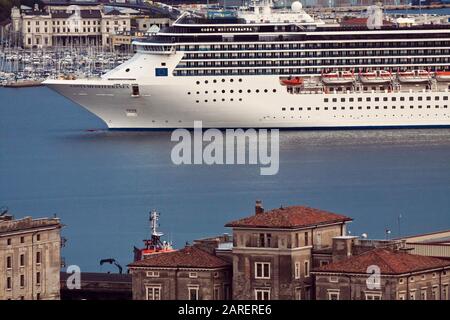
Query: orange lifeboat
(380,76)
(443,76)
(415,76)
(339,77)
(296,81)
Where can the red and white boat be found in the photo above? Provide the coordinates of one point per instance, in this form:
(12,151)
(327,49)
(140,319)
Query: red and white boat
(378,76)
(442,76)
(295,81)
(336,78)
(414,76)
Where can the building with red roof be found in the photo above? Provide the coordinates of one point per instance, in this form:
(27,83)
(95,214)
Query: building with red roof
(273,251)
(187,274)
(383,274)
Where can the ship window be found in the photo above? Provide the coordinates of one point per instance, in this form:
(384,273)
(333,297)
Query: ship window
(419,98)
(393,99)
(292,109)
(189,93)
(317,108)
(257,90)
(274,90)
(367,99)
(428,107)
(436,106)
(385,107)
(402,98)
(309,108)
(342,99)
(334,100)
(342,108)
(377,99)
(351,99)
(300,109)
(249,90)
(428,98)
(385,99)
(445,98)
(359,99)
(325,100)
(436,98)
(135,89)
(411,98)
(283,109)
(127,70)
(334,108)
(326,108)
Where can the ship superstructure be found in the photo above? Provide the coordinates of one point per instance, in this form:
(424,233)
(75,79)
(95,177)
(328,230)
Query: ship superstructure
(280,69)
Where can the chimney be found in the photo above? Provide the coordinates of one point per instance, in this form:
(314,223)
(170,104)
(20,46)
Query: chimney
(258,207)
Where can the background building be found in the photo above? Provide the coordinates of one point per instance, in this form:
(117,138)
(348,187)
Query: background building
(30,258)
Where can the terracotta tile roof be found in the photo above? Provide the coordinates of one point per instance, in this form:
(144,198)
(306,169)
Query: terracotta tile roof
(289,218)
(188,257)
(389,261)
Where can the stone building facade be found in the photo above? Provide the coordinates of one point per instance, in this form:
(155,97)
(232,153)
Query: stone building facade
(187,274)
(273,251)
(383,274)
(77,26)
(30,258)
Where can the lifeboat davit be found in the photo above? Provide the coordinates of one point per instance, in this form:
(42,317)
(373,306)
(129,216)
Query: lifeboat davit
(415,76)
(340,77)
(443,76)
(296,81)
(380,76)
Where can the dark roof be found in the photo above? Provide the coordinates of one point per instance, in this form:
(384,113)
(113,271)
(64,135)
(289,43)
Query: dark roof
(188,257)
(28,223)
(289,218)
(390,262)
(113,12)
(85,14)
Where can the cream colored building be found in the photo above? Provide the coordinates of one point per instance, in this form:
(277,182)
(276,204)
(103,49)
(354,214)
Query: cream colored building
(30,259)
(69,26)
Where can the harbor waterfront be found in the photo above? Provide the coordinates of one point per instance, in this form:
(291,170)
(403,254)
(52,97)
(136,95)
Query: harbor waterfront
(58,158)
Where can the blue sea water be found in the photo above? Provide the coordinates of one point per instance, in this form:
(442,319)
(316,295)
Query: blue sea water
(103,183)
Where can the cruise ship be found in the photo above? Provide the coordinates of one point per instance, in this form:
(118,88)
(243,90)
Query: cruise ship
(267,68)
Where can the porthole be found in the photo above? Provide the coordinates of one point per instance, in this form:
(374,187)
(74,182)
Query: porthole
(198,82)
(189,93)
(206,92)
(223,91)
(240,99)
(127,70)
(274,90)
(231,80)
(257,90)
(206,100)
(265,90)
(231,91)
(197,101)
(249,91)
(223,99)
(231,99)
(206,81)
(240,80)
(214,81)
(198,92)
(240,91)
(223,80)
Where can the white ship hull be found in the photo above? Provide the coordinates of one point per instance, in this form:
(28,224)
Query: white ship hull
(239,101)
